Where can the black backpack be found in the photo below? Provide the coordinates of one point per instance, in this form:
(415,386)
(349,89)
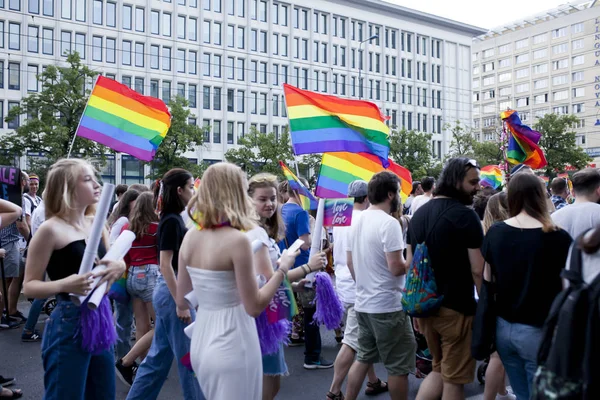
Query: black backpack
(569,355)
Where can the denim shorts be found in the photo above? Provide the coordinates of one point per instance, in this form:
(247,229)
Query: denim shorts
(141,281)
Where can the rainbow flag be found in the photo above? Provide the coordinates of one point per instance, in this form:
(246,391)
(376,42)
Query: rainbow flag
(124,120)
(491,176)
(522,142)
(321,123)
(545,179)
(283,305)
(339,169)
(308,200)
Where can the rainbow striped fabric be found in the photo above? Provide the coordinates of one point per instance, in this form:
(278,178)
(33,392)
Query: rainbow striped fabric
(339,169)
(545,179)
(321,123)
(491,176)
(124,120)
(309,202)
(522,142)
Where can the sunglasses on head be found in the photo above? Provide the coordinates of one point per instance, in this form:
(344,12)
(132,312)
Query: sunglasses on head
(472,163)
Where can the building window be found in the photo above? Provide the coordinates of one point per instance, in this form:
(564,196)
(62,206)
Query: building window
(97,12)
(192,95)
(32,81)
(139,19)
(166,24)
(180,60)
(193,29)
(111,14)
(166,92)
(15,122)
(127,17)
(558,33)
(97,48)
(139,54)
(80,44)
(139,85)
(216,131)
(192,62)
(166,58)
(110,50)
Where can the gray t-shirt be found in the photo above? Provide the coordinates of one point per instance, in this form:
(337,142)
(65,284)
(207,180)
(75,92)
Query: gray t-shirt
(577,218)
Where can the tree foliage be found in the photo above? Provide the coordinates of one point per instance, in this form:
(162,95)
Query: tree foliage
(261,152)
(559,144)
(412,150)
(181,138)
(465,144)
(52,117)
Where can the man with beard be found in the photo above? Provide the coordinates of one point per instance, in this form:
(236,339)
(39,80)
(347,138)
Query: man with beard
(375,259)
(453,234)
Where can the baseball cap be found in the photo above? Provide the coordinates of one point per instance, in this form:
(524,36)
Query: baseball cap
(358,188)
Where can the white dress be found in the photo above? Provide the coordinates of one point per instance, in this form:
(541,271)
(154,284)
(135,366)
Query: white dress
(225,352)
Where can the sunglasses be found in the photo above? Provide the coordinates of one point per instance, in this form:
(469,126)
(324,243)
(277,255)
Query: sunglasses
(471,163)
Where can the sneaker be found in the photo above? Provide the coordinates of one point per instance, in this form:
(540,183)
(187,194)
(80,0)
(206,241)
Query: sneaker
(19,317)
(321,364)
(125,374)
(31,337)
(295,342)
(8,323)
(508,396)
(6,381)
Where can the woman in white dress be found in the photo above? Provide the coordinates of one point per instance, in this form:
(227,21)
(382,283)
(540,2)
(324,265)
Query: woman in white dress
(225,351)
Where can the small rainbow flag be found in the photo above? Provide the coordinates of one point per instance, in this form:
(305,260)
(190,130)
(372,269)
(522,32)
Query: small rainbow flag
(491,176)
(522,142)
(321,123)
(339,169)
(124,120)
(283,305)
(308,200)
(545,179)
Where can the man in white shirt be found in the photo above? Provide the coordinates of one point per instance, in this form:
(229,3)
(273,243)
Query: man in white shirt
(427,184)
(584,214)
(346,290)
(376,261)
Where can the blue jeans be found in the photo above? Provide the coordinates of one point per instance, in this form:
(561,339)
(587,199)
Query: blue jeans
(34,315)
(518,345)
(169,340)
(124,313)
(69,371)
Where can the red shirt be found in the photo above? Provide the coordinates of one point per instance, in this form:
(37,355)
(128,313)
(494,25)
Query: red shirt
(144,251)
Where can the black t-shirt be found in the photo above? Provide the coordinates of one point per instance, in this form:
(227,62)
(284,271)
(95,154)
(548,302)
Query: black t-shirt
(171,230)
(451,229)
(527,265)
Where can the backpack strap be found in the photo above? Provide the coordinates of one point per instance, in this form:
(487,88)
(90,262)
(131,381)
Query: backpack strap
(574,273)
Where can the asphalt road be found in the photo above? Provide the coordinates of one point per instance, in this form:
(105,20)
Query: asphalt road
(23,361)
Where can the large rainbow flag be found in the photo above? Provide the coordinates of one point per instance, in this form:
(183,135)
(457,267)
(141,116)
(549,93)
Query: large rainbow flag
(124,120)
(491,176)
(309,202)
(321,123)
(522,142)
(339,169)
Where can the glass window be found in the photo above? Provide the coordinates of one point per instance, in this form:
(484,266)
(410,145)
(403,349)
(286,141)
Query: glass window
(65,9)
(240,102)
(65,43)
(139,54)
(217,66)
(166,24)
(13,5)
(229,132)
(48,7)
(32,81)
(110,50)
(126,53)
(216,131)
(240,7)
(240,37)
(262,12)
(111,14)
(193,29)
(192,62)
(139,85)
(180,60)
(154,56)
(97,48)
(15,122)
(206,31)
(14,36)
(216,98)
(206,5)
(155,22)
(80,44)
(48,41)
(240,69)
(192,95)
(217,6)
(154,88)
(139,19)
(166,92)
(217,33)
(32,38)
(14,76)
(181,26)
(34,6)
(263,41)
(126,17)
(230,68)
(97,12)
(80,10)
(166,58)
(181,90)
(206,64)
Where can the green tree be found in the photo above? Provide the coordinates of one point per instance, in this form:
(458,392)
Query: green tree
(412,150)
(464,144)
(309,167)
(559,144)
(261,152)
(181,138)
(52,117)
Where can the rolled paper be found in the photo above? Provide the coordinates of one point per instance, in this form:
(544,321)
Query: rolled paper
(315,246)
(330,310)
(91,248)
(117,251)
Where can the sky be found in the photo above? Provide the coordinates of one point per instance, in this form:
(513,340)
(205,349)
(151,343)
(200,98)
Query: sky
(482,13)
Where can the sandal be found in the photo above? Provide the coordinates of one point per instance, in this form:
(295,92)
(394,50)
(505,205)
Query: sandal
(339,396)
(376,388)
(14,394)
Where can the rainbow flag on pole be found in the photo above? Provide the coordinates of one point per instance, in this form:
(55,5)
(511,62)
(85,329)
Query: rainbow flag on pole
(321,123)
(124,120)
(491,176)
(522,142)
(308,200)
(339,169)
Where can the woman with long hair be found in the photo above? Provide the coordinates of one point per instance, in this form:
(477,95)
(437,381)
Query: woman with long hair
(225,351)
(263,190)
(143,271)
(171,195)
(496,210)
(120,216)
(525,255)
(70,370)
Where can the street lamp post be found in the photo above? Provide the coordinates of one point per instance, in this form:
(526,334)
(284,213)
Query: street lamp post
(361,59)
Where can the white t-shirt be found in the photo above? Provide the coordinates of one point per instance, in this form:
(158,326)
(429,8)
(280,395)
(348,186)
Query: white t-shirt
(344,284)
(577,218)
(116,228)
(418,202)
(259,233)
(373,234)
(38,217)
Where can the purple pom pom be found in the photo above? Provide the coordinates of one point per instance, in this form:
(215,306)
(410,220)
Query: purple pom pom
(271,336)
(330,310)
(96,328)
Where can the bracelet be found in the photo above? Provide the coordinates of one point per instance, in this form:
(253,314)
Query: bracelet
(283,274)
(306,269)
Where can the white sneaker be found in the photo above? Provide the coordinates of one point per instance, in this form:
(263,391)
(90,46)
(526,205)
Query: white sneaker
(508,396)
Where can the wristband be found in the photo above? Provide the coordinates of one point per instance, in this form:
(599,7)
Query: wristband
(306,269)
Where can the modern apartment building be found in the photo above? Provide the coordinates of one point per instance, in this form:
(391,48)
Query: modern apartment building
(229,58)
(548,63)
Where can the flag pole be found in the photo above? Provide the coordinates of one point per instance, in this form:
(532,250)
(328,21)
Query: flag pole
(287,114)
(82,114)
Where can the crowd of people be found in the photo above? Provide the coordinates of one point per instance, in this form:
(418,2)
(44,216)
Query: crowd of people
(202,241)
